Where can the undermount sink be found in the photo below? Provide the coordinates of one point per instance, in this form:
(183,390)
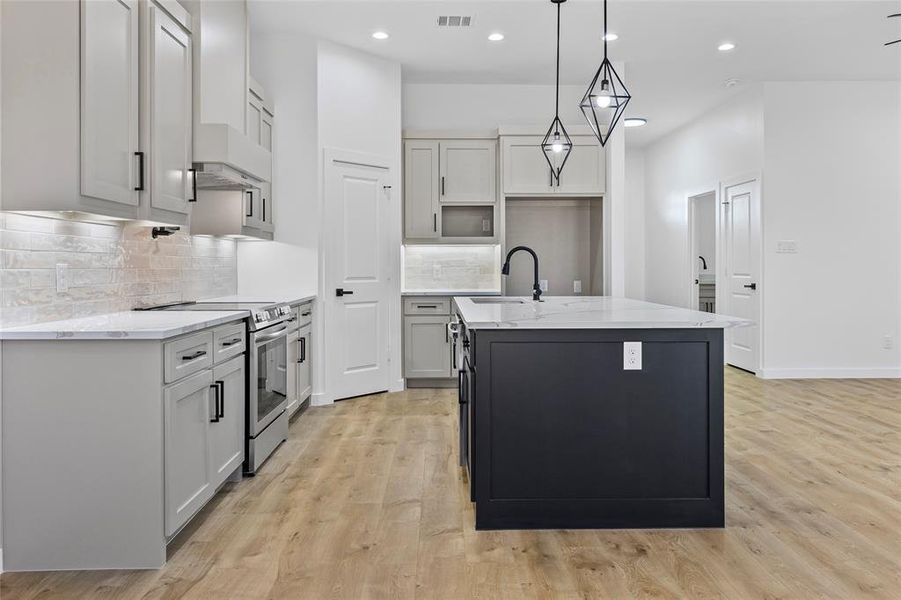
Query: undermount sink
(497,300)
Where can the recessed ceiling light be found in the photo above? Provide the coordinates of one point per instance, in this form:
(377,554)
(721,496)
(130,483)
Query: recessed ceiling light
(635,122)
(731,82)
(610,37)
(496,36)
(380,35)
(726,47)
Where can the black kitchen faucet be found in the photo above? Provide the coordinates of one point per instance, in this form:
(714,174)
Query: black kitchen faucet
(505,270)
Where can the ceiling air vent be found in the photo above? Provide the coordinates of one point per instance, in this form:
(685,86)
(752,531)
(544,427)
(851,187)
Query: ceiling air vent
(454,21)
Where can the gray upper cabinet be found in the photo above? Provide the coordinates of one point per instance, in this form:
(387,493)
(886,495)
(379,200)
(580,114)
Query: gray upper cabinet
(468,171)
(97,108)
(110,163)
(421,189)
(527,173)
(168,113)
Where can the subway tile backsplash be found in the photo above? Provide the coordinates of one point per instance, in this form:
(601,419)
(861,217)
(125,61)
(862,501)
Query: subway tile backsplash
(451,268)
(111,267)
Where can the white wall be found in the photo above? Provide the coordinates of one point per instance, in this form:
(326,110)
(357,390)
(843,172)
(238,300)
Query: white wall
(831,184)
(359,100)
(484,106)
(635,226)
(724,143)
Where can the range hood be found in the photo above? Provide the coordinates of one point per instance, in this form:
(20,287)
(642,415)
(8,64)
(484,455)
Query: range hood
(226,159)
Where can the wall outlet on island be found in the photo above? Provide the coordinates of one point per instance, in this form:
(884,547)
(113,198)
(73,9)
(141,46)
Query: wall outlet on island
(632,356)
(542,283)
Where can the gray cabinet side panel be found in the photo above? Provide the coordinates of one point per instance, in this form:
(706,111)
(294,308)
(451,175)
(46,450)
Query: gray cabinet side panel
(82,455)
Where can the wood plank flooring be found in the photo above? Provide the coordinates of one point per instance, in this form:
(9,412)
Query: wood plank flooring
(365,501)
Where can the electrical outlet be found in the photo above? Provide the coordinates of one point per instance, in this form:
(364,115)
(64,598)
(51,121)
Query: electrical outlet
(62,277)
(888,343)
(632,356)
(577,286)
(542,283)
(486,226)
(786,247)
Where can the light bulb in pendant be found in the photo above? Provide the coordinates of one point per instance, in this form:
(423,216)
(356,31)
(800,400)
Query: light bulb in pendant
(603,99)
(557,145)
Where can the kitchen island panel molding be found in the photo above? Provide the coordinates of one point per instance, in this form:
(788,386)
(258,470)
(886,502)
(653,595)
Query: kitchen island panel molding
(566,438)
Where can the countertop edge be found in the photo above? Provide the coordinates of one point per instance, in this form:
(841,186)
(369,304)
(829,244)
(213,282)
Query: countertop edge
(114,335)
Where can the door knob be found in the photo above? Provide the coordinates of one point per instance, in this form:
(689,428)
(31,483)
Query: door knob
(342,292)
(751,286)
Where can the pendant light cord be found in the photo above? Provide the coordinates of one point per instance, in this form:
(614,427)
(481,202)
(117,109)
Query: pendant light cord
(557,105)
(605,30)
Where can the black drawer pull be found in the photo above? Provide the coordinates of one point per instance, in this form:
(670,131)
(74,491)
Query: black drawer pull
(306,314)
(197,354)
(231,342)
(426,306)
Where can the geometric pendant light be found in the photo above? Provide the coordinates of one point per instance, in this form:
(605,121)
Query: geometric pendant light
(605,101)
(557,144)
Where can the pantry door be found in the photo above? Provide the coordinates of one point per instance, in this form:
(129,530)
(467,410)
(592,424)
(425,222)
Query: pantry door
(357,269)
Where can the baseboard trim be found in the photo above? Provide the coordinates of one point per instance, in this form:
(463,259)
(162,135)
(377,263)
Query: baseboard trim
(1,560)
(817,373)
(320,399)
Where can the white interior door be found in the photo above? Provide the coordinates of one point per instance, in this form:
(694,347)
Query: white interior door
(356,273)
(742,246)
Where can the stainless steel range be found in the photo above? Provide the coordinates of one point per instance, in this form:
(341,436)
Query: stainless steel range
(267,384)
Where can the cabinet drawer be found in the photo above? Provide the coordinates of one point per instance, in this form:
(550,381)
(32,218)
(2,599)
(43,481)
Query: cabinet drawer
(228,341)
(188,355)
(426,306)
(304,314)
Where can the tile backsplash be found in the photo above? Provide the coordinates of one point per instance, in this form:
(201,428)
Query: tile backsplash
(111,267)
(450,268)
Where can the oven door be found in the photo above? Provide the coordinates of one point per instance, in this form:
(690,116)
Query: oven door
(268,377)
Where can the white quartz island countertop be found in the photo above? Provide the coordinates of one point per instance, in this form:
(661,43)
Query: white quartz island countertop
(583,312)
(133,325)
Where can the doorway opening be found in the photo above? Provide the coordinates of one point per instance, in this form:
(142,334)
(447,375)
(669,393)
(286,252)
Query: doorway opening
(703,250)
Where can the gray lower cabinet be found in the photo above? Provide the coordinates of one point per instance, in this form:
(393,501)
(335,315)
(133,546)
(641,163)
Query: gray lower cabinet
(188,409)
(299,372)
(304,373)
(427,347)
(204,437)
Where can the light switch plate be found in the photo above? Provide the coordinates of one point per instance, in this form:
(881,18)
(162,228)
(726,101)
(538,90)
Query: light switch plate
(786,247)
(577,286)
(632,356)
(62,277)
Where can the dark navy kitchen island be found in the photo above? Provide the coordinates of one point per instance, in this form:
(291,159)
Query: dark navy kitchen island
(559,430)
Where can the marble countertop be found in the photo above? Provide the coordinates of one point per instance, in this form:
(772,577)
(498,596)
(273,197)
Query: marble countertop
(132,325)
(262,298)
(586,312)
(451,293)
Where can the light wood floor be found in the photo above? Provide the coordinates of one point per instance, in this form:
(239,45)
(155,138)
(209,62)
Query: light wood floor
(365,501)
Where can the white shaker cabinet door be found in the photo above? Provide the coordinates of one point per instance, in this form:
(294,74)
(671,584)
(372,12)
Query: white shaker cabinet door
(292,368)
(304,372)
(421,188)
(468,171)
(169,94)
(111,167)
(427,348)
(585,169)
(227,429)
(189,407)
(526,171)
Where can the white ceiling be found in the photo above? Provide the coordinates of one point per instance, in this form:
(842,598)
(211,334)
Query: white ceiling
(674,70)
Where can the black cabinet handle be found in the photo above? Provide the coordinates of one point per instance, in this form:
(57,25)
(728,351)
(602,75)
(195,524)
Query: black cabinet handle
(426,306)
(342,292)
(249,203)
(435,222)
(230,342)
(442,185)
(215,418)
(306,314)
(303,350)
(140,186)
(220,396)
(263,202)
(751,286)
(193,173)
(197,354)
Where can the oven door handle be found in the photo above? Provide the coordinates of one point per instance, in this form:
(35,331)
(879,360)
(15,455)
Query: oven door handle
(264,339)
